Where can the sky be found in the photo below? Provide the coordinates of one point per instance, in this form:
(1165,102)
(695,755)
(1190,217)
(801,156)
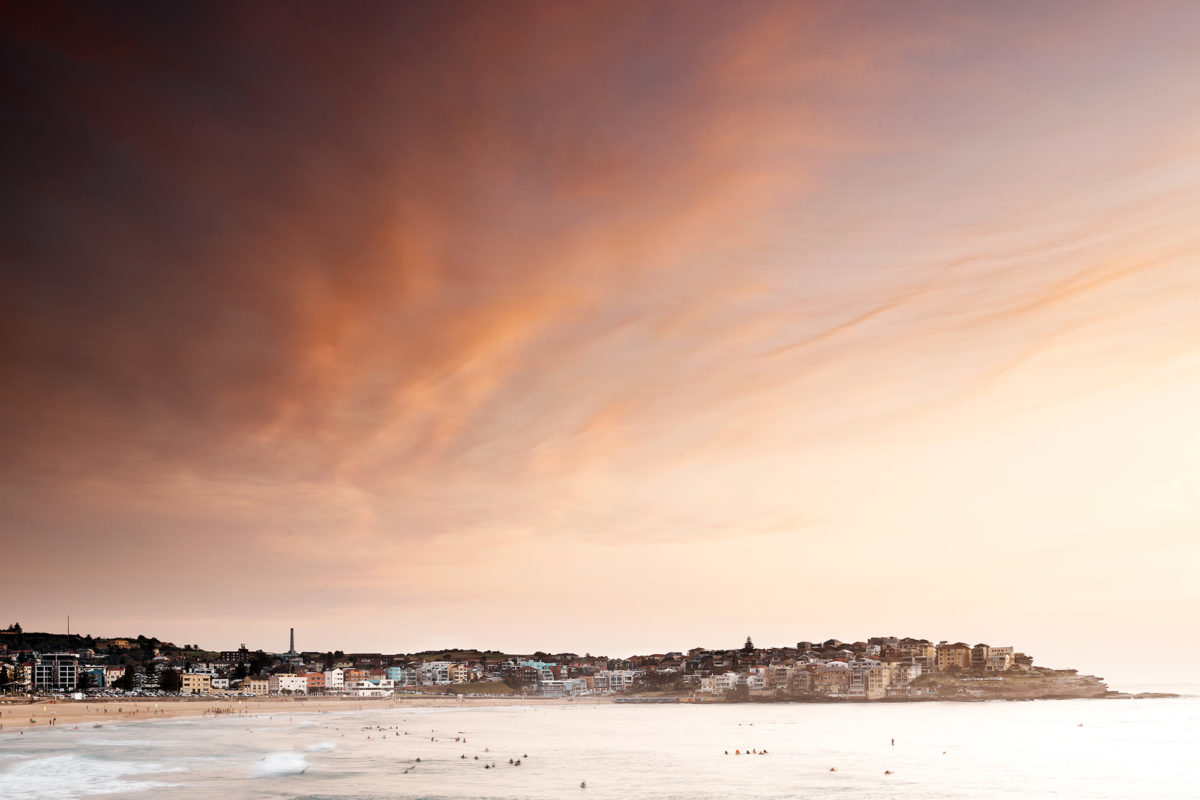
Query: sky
(603,327)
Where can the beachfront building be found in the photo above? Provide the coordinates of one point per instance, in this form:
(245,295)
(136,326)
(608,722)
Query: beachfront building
(435,673)
(56,671)
(404,676)
(316,682)
(615,680)
(753,681)
(220,684)
(953,656)
(254,686)
(287,683)
(869,681)
(335,679)
(568,687)
(1000,659)
(459,672)
(195,683)
(832,679)
(725,682)
(113,673)
(370,688)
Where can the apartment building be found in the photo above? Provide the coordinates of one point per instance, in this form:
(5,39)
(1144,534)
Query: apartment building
(195,683)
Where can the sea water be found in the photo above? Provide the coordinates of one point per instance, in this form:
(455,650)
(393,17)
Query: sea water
(1117,749)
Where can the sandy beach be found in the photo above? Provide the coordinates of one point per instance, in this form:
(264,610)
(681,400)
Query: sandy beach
(22,715)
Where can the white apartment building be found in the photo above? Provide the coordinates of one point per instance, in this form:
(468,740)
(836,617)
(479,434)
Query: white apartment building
(379,687)
(725,682)
(435,673)
(287,682)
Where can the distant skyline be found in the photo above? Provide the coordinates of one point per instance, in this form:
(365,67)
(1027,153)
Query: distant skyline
(604,326)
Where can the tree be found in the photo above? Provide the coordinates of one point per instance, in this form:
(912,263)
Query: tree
(240,671)
(513,680)
(748,647)
(3,679)
(85,680)
(125,682)
(170,680)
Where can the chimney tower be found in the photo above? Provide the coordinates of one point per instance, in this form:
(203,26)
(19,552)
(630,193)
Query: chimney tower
(291,640)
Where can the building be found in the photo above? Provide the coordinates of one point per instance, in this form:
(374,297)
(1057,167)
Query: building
(831,680)
(232,657)
(287,683)
(56,672)
(97,672)
(195,683)
(1000,659)
(370,688)
(979,656)
(953,656)
(316,682)
(254,686)
(404,676)
(435,673)
(335,679)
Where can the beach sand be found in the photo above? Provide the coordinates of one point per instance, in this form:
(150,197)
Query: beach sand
(22,715)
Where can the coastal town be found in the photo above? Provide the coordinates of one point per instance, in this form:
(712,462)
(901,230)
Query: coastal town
(879,668)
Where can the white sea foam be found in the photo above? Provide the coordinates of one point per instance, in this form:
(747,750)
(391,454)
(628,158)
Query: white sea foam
(276,764)
(70,776)
(321,747)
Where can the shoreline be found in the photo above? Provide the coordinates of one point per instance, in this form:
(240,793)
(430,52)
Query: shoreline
(43,714)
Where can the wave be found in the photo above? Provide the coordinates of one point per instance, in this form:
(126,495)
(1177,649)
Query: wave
(274,765)
(321,747)
(75,776)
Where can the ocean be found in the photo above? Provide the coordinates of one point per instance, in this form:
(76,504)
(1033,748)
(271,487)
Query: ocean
(1117,749)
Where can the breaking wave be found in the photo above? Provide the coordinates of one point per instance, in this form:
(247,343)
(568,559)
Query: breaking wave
(274,765)
(69,776)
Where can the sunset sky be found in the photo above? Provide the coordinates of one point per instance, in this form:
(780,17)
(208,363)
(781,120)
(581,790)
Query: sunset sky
(604,327)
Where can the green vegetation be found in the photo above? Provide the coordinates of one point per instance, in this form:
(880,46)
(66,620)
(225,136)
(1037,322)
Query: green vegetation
(456,654)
